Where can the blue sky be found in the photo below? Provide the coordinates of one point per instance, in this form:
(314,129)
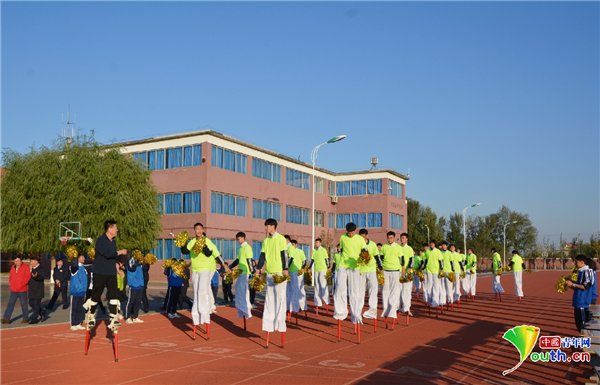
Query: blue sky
(492,102)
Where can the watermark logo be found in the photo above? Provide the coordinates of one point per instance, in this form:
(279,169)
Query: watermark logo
(524,338)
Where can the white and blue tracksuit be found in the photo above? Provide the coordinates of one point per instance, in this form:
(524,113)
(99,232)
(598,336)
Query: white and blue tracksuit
(135,280)
(583,297)
(174,292)
(79,284)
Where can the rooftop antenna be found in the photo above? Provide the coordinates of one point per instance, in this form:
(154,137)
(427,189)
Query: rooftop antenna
(374,162)
(69,133)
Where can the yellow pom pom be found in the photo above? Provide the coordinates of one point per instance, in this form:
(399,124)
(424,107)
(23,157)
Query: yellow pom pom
(451,277)
(308,278)
(257,283)
(380,278)
(150,259)
(91,252)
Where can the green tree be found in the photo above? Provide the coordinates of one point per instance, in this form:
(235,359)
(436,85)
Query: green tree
(80,182)
(418,218)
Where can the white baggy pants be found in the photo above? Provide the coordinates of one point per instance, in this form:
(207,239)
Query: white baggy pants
(496,285)
(434,290)
(471,283)
(274,313)
(369,283)
(449,289)
(405,296)
(203,297)
(242,297)
(518,283)
(417,284)
(348,281)
(321,289)
(457,292)
(390,294)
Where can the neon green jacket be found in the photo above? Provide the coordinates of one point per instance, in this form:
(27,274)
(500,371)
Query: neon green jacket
(244,255)
(433,256)
(272,247)
(372,266)
(201,262)
(471,261)
(320,257)
(496,262)
(351,248)
(298,260)
(517,263)
(391,256)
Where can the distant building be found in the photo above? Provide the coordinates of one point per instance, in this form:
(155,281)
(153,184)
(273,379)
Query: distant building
(230,185)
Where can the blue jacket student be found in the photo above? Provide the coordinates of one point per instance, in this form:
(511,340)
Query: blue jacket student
(79,287)
(174,292)
(135,275)
(135,280)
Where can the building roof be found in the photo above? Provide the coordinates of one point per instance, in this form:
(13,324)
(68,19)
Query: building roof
(254,147)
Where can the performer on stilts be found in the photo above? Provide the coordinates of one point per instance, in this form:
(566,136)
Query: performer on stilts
(422,265)
(105,274)
(416,280)
(320,260)
(244,264)
(463,265)
(433,265)
(389,263)
(348,285)
(274,257)
(204,256)
(334,269)
(471,273)
(368,279)
(497,288)
(447,285)
(457,268)
(406,264)
(517,266)
(296,270)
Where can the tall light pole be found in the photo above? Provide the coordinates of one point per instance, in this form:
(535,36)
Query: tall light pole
(427,233)
(465,224)
(313,158)
(504,232)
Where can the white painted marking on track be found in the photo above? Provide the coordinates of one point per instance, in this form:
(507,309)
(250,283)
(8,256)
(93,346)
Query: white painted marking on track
(332,363)
(209,349)
(272,356)
(158,344)
(405,369)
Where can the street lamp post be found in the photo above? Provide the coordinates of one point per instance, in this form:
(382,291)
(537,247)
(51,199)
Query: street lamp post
(313,158)
(504,232)
(465,224)
(427,233)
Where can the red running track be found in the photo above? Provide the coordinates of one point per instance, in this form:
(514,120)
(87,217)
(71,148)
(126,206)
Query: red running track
(463,346)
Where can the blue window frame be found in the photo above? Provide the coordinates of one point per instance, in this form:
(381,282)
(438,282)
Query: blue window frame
(160,159)
(197,161)
(158,251)
(331,220)
(187,156)
(168,203)
(228,160)
(187,202)
(374,220)
(297,179)
(256,247)
(374,186)
(265,210)
(196,205)
(396,221)
(228,204)
(152,160)
(177,204)
(161,203)
(396,189)
(296,215)
(168,248)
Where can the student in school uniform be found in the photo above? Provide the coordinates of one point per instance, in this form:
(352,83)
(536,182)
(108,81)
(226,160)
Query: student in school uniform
(334,268)
(296,271)
(289,288)
(416,280)
(173,292)
(582,293)
(517,266)
(135,279)
(389,263)
(406,264)
(183,298)
(227,294)
(274,258)
(368,279)
(471,269)
(244,263)
(447,286)
(463,267)
(457,268)
(320,260)
(422,265)
(60,275)
(433,266)
(79,284)
(497,288)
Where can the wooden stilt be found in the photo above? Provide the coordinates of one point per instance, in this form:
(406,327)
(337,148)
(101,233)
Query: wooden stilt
(519,299)
(339,330)
(375,326)
(207,332)
(282,338)
(472,298)
(316,310)
(429,309)
(500,297)
(452,306)
(306,314)
(194,334)
(116,335)
(358,329)
(393,323)
(87,340)
(327,307)
(407,317)
(267,346)
(458,303)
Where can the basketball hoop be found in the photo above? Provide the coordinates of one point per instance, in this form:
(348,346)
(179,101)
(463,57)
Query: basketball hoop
(64,240)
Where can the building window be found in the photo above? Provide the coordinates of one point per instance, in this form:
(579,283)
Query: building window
(396,221)
(227,247)
(161,203)
(265,210)
(297,179)
(160,159)
(296,215)
(331,221)
(197,155)
(359,187)
(396,189)
(168,203)
(306,249)
(319,219)
(178,203)
(187,156)
(152,160)
(141,157)
(168,248)
(174,157)
(229,160)
(319,185)
(256,247)
(228,204)
(158,250)
(266,170)
(372,220)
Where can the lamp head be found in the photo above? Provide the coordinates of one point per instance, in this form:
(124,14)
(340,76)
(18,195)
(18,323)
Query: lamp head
(336,139)
(475,205)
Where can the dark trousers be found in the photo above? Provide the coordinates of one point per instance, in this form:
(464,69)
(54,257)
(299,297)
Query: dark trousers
(62,290)
(184,298)
(227,292)
(110,281)
(36,305)
(580,317)
(173,296)
(252,296)
(77,310)
(88,294)
(12,300)
(215,290)
(145,304)
(133,303)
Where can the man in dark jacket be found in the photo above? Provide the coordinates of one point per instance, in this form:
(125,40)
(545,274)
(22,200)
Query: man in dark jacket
(36,290)
(60,274)
(146,271)
(105,274)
